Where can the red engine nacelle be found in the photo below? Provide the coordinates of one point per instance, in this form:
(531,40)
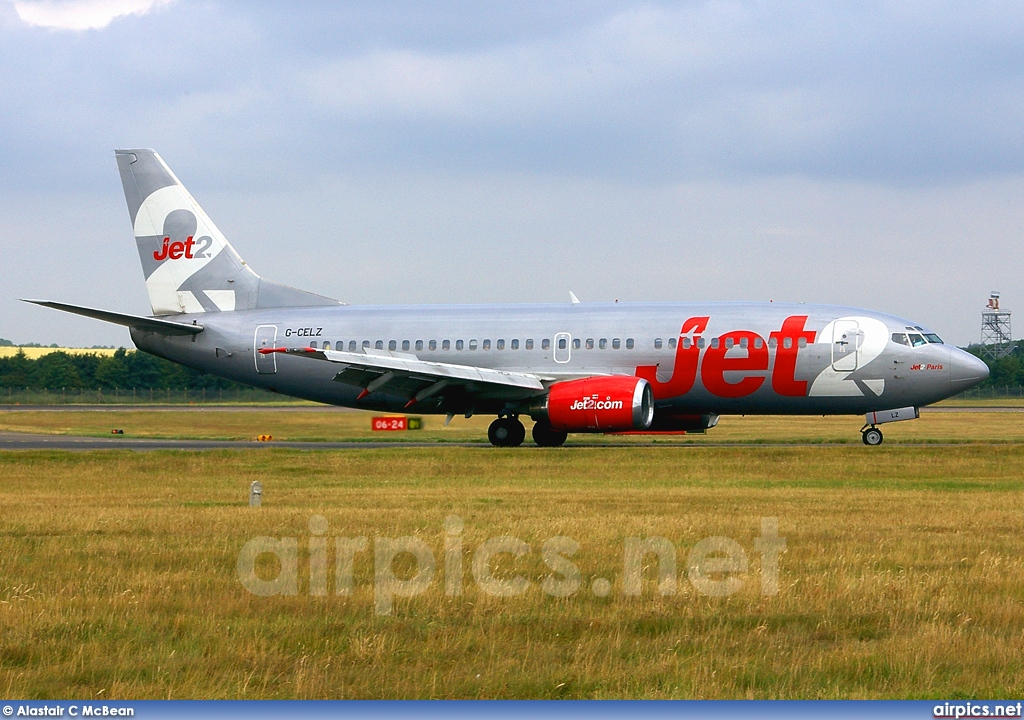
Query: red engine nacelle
(600,404)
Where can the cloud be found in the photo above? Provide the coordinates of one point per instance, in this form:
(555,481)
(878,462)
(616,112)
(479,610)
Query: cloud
(81,14)
(709,89)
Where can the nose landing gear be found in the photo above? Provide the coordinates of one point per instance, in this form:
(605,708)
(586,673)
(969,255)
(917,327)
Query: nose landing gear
(506,432)
(871,436)
(870,432)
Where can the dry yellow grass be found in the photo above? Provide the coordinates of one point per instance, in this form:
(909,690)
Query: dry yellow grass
(903,577)
(34,353)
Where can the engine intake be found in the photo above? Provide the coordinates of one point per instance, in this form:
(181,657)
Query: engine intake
(613,403)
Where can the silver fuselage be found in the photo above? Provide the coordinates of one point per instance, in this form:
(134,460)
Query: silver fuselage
(840,361)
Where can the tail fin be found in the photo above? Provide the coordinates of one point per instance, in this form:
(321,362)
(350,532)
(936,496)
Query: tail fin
(188,263)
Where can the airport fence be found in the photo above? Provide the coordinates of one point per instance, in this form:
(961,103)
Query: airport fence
(138,396)
(996,392)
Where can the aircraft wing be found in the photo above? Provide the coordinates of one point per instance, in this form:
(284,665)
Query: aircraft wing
(405,374)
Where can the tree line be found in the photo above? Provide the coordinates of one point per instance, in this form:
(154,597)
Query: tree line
(125,369)
(1007,371)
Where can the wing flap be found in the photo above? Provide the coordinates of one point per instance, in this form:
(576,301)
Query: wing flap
(407,375)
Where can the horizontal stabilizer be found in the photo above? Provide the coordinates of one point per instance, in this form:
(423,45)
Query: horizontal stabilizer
(165,327)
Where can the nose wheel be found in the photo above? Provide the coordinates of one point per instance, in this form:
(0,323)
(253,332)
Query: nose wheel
(871,436)
(506,432)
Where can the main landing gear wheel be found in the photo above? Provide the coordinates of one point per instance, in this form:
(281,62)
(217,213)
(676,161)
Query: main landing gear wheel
(506,432)
(872,436)
(545,436)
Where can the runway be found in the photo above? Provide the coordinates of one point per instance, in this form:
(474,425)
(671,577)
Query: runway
(4,408)
(25,441)
(13,441)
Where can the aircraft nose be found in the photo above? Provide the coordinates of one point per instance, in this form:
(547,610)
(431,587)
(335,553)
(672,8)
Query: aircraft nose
(965,370)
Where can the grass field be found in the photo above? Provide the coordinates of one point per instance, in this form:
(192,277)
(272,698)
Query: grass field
(903,574)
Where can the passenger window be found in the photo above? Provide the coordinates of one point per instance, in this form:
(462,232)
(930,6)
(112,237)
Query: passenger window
(657,343)
(472,344)
(590,343)
(575,343)
(392,345)
(562,344)
(802,342)
(459,345)
(787,342)
(405,344)
(758,343)
(917,340)
(487,345)
(672,343)
(686,343)
(773,343)
(529,343)
(714,343)
(603,343)
(545,344)
(744,342)
(327,344)
(446,345)
(515,343)
(312,344)
(419,345)
(616,343)
(630,343)
(500,345)
(701,343)
(432,345)
(729,342)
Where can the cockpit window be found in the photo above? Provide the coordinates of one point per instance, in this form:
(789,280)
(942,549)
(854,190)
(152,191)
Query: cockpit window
(933,338)
(900,338)
(916,340)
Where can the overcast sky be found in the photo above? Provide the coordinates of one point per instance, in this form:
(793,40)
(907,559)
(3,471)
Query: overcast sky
(866,154)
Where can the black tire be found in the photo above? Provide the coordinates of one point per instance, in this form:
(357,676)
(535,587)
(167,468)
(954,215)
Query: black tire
(506,432)
(872,437)
(518,433)
(545,436)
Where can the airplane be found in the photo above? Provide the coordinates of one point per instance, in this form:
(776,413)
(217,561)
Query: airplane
(630,368)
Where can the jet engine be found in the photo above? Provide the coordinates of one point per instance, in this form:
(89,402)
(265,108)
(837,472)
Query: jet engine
(612,403)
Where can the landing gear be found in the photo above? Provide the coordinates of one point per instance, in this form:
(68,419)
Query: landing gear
(506,432)
(546,436)
(871,436)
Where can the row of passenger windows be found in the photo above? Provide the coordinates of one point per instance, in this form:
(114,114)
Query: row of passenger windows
(545,344)
(911,339)
(730,342)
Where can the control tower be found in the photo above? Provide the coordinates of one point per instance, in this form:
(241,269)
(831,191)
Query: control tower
(996,340)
